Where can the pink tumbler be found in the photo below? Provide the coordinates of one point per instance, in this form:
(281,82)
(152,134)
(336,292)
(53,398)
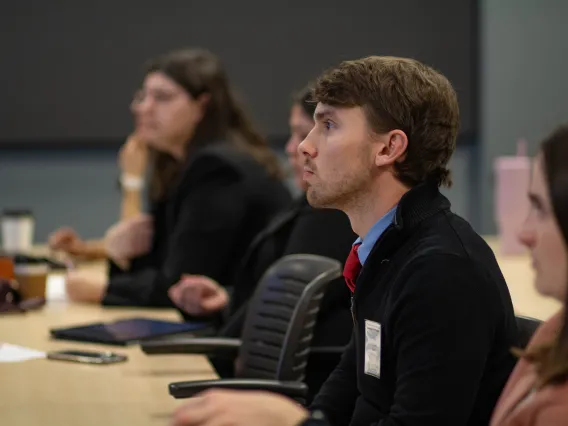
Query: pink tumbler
(512,180)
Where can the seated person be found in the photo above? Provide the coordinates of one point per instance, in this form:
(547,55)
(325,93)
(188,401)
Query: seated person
(433,318)
(215,184)
(300,229)
(536,393)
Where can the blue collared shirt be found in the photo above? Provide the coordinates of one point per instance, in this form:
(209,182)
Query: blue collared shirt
(373,235)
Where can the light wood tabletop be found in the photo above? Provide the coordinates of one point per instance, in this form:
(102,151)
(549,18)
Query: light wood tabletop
(48,392)
(518,273)
(45,392)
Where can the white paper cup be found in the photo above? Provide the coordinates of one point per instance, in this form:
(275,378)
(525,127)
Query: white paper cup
(17,231)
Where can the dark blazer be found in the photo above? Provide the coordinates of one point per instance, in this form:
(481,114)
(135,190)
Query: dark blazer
(434,322)
(300,229)
(223,198)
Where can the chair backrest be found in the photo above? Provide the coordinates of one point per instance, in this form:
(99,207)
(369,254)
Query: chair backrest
(526,326)
(281,317)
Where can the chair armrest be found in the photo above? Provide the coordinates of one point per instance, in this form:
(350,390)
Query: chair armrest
(189,389)
(203,346)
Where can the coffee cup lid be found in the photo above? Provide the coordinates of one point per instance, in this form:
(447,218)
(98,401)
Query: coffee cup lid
(23,259)
(16,212)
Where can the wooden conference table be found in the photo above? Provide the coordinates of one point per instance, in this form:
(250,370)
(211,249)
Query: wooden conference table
(44,392)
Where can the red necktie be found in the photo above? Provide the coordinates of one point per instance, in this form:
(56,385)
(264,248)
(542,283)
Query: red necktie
(352,268)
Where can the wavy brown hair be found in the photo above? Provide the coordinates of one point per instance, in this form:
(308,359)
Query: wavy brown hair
(199,72)
(400,93)
(551,359)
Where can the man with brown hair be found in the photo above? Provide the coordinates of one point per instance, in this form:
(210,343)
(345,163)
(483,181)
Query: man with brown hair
(433,318)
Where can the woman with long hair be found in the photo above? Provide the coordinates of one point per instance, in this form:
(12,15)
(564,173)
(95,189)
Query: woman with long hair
(214,184)
(537,391)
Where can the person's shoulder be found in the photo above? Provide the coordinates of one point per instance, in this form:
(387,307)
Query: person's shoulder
(216,158)
(227,153)
(549,406)
(220,148)
(236,161)
(450,233)
(215,152)
(439,261)
(547,331)
(450,241)
(445,239)
(442,273)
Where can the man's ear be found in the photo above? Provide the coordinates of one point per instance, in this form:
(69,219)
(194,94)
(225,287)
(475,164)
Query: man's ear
(393,147)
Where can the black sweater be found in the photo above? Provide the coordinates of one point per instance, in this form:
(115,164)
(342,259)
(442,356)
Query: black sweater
(300,229)
(447,325)
(222,200)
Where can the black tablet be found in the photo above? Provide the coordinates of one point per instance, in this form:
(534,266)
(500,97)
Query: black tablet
(126,332)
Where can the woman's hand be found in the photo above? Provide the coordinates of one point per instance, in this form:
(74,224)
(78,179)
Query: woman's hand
(67,240)
(221,407)
(85,286)
(133,157)
(129,239)
(198,295)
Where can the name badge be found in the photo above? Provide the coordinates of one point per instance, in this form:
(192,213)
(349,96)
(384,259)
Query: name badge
(373,348)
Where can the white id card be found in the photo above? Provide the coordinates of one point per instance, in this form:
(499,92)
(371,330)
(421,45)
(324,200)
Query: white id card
(373,348)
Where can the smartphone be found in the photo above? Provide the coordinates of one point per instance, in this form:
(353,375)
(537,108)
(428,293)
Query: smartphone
(86,357)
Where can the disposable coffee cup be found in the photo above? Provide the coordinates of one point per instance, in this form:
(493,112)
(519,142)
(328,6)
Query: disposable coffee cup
(31,276)
(17,231)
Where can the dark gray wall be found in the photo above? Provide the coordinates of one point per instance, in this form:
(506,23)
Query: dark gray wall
(69,68)
(523,73)
(524,81)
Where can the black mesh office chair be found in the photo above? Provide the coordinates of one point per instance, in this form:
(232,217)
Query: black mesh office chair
(526,326)
(277,334)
